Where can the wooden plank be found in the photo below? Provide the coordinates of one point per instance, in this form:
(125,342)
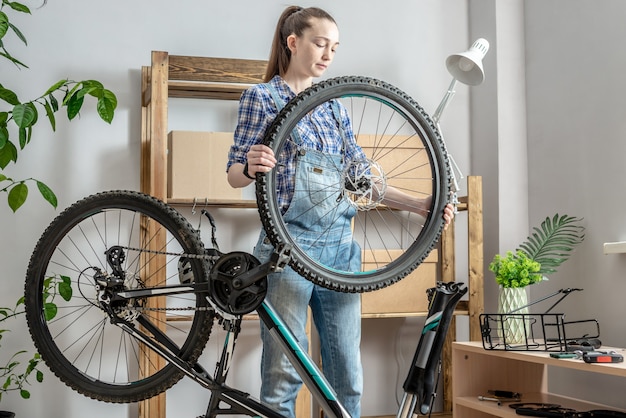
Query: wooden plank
(220,70)
(158,127)
(198,90)
(145,86)
(144,174)
(446,361)
(154,182)
(475,255)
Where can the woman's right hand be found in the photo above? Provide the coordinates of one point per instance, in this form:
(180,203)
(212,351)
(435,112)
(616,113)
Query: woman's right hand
(260,159)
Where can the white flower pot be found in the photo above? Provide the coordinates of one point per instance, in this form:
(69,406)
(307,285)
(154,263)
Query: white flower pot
(513,326)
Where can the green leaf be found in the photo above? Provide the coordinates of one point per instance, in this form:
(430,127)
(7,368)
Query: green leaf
(39,376)
(70,94)
(4,117)
(24,393)
(18,33)
(17,196)
(24,115)
(33,109)
(553,242)
(8,96)
(65,288)
(84,91)
(8,153)
(18,7)
(73,106)
(50,114)
(53,102)
(23,137)
(106,106)
(92,83)
(47,193)
(4,24)
(55,86)
(50,310)
(4,136)
(13,60)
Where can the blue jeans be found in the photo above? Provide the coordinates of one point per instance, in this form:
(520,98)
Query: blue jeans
(337,317)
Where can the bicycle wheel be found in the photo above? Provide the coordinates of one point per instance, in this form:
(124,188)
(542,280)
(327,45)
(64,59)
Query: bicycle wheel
(404,154)
(124,236)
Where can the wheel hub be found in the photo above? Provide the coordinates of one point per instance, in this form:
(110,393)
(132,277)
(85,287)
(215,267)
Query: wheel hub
(365,183)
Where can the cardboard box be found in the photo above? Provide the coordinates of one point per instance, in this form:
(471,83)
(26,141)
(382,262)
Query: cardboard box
(197,166)
(406,296)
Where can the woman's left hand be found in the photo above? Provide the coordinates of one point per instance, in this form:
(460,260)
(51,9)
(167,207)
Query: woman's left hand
(448,214)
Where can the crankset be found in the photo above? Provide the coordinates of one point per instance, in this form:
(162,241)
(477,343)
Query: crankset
(227,289)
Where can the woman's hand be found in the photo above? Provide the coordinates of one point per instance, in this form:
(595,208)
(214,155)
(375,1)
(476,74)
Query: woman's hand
(260,159)
(448,214)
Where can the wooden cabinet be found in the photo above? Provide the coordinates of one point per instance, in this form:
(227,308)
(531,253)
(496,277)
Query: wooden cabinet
(476,370)
(225,79)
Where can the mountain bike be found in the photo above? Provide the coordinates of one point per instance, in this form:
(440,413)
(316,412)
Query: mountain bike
(122,295)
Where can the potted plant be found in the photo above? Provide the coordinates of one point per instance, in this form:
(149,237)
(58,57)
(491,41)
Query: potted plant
(548,246)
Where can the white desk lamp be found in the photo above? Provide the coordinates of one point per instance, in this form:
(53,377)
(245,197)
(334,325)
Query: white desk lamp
(466,67)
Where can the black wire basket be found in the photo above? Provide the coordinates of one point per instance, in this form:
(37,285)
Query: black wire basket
(537,332)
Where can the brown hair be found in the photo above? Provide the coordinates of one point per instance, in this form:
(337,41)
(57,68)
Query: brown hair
(293,20)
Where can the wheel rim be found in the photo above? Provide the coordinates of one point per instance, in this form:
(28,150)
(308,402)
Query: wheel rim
(80,344)
(404,152)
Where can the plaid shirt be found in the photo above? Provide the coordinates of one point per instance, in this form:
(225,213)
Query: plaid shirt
(318,130)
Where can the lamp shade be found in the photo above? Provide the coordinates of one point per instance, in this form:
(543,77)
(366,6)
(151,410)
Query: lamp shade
(467,67)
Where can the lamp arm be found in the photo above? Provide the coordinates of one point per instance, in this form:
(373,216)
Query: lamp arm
(445,101)
(436,118)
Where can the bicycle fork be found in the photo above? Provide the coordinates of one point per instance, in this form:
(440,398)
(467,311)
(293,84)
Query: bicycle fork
(420,384)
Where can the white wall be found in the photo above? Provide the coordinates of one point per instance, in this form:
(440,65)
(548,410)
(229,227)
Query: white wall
(576,128)
(404,42)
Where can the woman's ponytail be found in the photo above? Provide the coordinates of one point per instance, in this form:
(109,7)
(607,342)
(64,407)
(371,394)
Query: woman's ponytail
(294,20)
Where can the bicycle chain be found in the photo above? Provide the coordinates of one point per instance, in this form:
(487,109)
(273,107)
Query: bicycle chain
(200,256)
(189,308)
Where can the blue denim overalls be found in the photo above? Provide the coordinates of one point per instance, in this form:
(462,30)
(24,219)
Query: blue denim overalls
(337,316)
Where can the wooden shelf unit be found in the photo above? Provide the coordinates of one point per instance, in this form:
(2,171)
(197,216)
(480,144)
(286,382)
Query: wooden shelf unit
(476,370)
(225,79)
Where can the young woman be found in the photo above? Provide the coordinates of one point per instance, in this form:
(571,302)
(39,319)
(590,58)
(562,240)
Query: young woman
(304,45)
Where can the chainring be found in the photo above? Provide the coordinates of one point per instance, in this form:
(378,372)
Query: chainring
(222,290)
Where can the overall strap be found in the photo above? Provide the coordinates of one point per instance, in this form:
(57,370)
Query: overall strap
(280,103)
(335,106)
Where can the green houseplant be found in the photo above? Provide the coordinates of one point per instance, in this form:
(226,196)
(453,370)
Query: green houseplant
(547,247)
(14,375)
(18,118)
(17,121)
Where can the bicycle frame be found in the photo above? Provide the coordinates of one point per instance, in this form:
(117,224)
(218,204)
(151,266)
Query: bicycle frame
(420,384)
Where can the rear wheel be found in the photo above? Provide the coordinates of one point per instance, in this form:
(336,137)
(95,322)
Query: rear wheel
(134,241)
(404,153)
